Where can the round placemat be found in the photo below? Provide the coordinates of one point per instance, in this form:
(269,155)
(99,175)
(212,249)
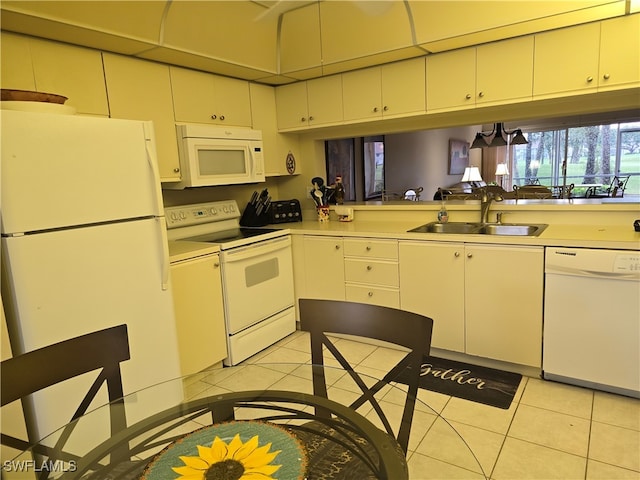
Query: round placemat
(231,450)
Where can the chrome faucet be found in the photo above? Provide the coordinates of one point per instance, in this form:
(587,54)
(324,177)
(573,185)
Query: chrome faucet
(485,203)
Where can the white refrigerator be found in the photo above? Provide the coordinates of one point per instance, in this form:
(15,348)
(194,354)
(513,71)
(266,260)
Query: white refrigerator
(84,248)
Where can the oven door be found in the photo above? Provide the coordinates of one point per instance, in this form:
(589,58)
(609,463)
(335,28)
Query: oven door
(257,282)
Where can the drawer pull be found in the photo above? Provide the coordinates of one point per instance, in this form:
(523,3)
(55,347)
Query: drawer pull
(369,267)
(370,294)
(368,248)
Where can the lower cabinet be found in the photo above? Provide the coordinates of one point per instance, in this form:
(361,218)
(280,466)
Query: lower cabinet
(197,298)
(485,300)
(323,268)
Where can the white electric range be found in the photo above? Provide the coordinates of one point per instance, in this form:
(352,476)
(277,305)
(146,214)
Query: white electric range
(257,273)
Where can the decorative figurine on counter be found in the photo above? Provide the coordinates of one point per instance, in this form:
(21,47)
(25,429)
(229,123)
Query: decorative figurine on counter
(339,191)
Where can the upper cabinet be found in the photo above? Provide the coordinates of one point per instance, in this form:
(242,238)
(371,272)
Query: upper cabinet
(74,72)
(566,61)
(205,98)
(395,89)
(494,73)
(141,90)
(279,148)
(312,103)
(504,71)
(619,53)
(451,80)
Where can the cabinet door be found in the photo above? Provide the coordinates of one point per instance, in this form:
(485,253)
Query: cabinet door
(197,298)
(324,267)
(619,53)
(504,71)
(232,101)
(451,80)
(16,66)
(566,61)
(74,72)
(403,88)
(277,146)
(205,98)
(192,95)
(141,90)
(291,106)
(503,301)
(432,284)
(324,97)
(362,94)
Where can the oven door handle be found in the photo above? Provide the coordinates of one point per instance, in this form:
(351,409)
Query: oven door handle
(252,251)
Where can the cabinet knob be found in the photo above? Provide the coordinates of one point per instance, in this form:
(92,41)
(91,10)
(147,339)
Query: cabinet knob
(221,117)
(310,118)
(469,255)
(456,254)
(214,116)
(468,96)
(589,79)
(606,76)
(216,265)
(337,247)
(385,108)
(481,94)
(176,170)
(368,248)
(303,119)
(369,267)
(370,294)
(375,109)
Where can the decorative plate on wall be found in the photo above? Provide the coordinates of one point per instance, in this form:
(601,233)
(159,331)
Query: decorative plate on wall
(291,163)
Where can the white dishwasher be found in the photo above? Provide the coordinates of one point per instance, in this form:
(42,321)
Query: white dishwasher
(592,319)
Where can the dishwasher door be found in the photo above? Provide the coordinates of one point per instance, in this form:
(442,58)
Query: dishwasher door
(592,319)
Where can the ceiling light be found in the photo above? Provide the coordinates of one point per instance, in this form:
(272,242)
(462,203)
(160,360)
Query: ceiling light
(498,137)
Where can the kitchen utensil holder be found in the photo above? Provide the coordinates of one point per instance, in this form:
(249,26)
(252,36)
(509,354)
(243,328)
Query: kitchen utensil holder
(250,217)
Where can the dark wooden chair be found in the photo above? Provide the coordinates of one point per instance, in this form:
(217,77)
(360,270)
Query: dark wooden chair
(27,373)
(405,329)
(615,189)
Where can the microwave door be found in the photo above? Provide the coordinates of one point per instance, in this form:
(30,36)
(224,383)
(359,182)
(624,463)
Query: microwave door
(220,163)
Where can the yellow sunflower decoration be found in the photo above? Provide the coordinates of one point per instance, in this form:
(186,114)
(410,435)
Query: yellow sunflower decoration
(233,461)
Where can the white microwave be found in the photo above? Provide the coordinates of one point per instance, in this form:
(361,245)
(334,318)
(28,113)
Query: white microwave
(211,155)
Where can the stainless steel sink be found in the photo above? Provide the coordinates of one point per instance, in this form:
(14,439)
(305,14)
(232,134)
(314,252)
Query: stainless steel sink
(471,228)
(512,229)
(453,227)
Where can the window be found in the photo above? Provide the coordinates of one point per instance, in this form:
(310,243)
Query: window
(583,155)
(360,161)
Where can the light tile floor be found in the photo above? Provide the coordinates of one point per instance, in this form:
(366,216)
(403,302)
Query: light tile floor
(551,430)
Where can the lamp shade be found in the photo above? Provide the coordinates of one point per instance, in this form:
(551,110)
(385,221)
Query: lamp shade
(479,141)
(471,174)
(519,138)
(501,170)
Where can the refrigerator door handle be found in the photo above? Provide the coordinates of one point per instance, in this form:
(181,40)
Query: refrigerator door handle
(162,226)
(153,163)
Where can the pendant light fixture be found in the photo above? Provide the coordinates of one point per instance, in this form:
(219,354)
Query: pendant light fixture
(515,137)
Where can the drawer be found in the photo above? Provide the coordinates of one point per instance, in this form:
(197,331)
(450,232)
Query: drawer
(376,272)
(365,247)
(386,297)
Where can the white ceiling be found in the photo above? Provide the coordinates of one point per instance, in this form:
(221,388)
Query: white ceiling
(282,41)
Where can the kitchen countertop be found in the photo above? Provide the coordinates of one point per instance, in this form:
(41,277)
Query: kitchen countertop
(180,250)
(593,236)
